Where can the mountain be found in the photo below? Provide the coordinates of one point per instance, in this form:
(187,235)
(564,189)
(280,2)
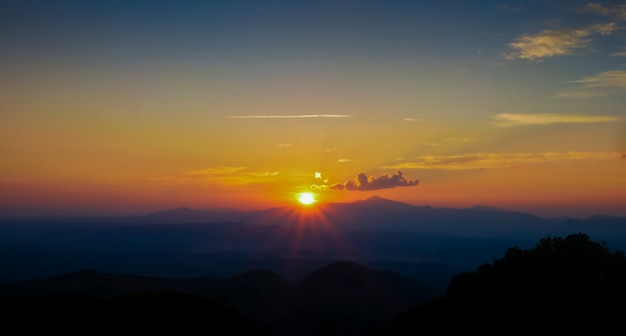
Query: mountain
(429,244)
(88,300)
(347,295)
(374,213)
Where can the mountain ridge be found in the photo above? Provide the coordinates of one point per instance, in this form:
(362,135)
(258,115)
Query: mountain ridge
(185,210)
(184,213)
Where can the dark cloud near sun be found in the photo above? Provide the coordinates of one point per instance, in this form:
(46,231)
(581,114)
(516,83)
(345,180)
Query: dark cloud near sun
(364,183)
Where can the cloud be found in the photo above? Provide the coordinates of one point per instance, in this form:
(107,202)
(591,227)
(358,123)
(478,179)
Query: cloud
(344,160)
(283,145)
(298,116)
(549,43)
(448,142)
(596,8)
(620,53)
(580,94)
(596,85)
(364,183)
(225,175)
(411,119)
(215,171)
(623,156)
(604,28)
(496,160)
(617,10)
(520,119)
(263,174)
(615,78)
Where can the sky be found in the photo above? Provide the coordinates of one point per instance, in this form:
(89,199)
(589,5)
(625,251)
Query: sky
(135,106)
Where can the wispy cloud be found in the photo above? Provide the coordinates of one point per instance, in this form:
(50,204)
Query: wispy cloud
(298,116)
(344,160)
(520,119)
(580,94)
(620,53)
(224,175)
(283,145)
(596,85)
(616,10)
(596,8)
(215,171)
(448,142)
(386,181)
(496,160)
(412,119)
(616,78)
(549,43)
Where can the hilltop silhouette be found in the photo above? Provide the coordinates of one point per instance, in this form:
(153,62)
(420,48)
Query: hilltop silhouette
(570,284)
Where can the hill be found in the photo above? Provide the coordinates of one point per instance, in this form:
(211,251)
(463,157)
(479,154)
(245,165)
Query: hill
(348,296)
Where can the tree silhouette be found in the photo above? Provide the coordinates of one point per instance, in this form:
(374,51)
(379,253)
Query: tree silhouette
(562,284)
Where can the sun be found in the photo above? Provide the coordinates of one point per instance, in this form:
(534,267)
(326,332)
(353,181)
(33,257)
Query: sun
(306,198)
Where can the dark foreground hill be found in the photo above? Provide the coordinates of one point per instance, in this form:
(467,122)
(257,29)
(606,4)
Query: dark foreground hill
(343,297)
(160,312)
(561,286)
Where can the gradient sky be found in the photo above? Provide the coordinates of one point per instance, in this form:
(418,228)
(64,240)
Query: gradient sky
(133,106)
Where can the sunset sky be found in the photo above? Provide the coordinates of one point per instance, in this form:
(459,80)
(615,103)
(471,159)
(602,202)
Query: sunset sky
(135,106)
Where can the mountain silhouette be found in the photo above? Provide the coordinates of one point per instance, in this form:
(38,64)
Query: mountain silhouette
(430,244)
(348,295)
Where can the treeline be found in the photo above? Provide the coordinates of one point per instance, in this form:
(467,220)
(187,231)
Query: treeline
(570,284)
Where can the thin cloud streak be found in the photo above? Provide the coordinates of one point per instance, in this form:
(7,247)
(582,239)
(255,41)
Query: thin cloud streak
(223,175)
(597,85)
(520,119)
(496,160)
(580,94)
(615,78)
(283,145)
(300,116)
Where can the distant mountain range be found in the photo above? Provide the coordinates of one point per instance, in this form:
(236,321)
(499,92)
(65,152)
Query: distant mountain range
(426,243)
(368,212)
